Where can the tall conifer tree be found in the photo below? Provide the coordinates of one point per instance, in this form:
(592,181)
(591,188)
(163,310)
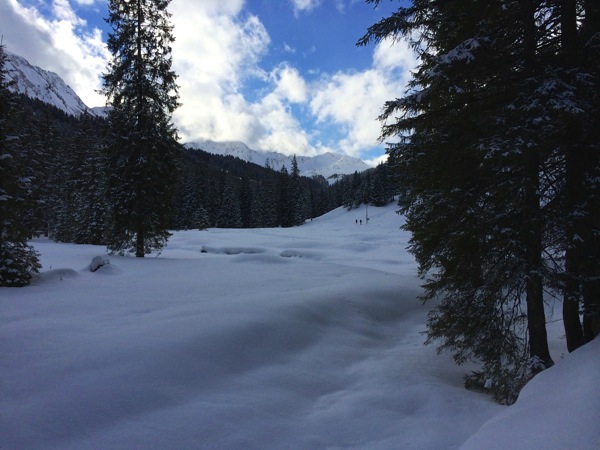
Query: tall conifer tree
(499,162)
(18,259)
(471,155)
(576,106)
(143,153)
(298,193)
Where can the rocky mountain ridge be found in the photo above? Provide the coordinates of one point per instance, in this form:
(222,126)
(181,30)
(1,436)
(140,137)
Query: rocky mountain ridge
(329,165)
(43,85)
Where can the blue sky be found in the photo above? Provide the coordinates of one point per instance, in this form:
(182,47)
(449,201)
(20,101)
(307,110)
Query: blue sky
(281,75)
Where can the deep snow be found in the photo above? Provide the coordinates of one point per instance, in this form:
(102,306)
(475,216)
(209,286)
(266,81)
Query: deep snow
(300,338)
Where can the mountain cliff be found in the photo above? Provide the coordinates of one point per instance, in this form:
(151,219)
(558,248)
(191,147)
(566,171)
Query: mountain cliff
(43,85)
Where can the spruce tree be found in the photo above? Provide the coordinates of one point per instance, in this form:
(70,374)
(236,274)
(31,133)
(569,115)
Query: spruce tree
(39,143)
(78,193)
(499,175)
(283,200)
(230,215)
(574,100)
(247,193)
(257,206)
(472,149)
(18,260)
(90,209)
(299,201)
(188,199)
(143,152)
(589,54)
(267,205)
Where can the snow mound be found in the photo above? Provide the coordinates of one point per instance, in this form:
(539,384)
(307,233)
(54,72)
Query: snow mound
(295,253)
(53,275)
(232,250)
(99,261)
(541,418)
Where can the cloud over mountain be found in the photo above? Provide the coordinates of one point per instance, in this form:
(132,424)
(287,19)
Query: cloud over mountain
(264,75)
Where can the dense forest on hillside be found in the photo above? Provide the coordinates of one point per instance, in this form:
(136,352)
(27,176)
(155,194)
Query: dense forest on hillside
(66,157)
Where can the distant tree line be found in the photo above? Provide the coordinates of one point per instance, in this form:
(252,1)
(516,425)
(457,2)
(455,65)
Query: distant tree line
(211,190)
(499,147)
(68,159)
(376,187)
(63,159)
(227,192)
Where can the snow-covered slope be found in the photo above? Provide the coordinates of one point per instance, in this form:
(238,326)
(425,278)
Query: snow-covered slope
(285,338)
(327,164)
(558,409)
(101,111)
(43,85)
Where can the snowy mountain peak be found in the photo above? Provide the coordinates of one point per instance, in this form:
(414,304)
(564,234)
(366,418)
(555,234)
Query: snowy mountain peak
(327,164)
(43,85)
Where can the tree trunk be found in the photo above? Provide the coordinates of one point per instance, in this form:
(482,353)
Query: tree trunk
(139,243)
(532,233)
(574,192)
(140,235)
(536,318)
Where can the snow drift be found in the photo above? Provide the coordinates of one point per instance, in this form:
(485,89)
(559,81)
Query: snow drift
(307,337)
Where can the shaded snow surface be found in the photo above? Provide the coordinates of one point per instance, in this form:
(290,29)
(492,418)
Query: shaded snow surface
(301,338)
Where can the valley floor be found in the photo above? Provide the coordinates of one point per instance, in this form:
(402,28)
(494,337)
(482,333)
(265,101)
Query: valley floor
(299,338)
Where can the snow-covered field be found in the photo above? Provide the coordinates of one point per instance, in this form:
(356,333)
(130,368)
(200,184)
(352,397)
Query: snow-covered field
(301,338)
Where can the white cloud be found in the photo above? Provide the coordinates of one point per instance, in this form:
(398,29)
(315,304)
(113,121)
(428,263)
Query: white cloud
(340,5)
(353,100)
(266,124)
(59,44)
(214,52)
(288,48)
(390,55)
(304,5)
(215,55)
(290,85)
(215,107)
(212,7)
(374,162)
(280,130)
(213,46)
